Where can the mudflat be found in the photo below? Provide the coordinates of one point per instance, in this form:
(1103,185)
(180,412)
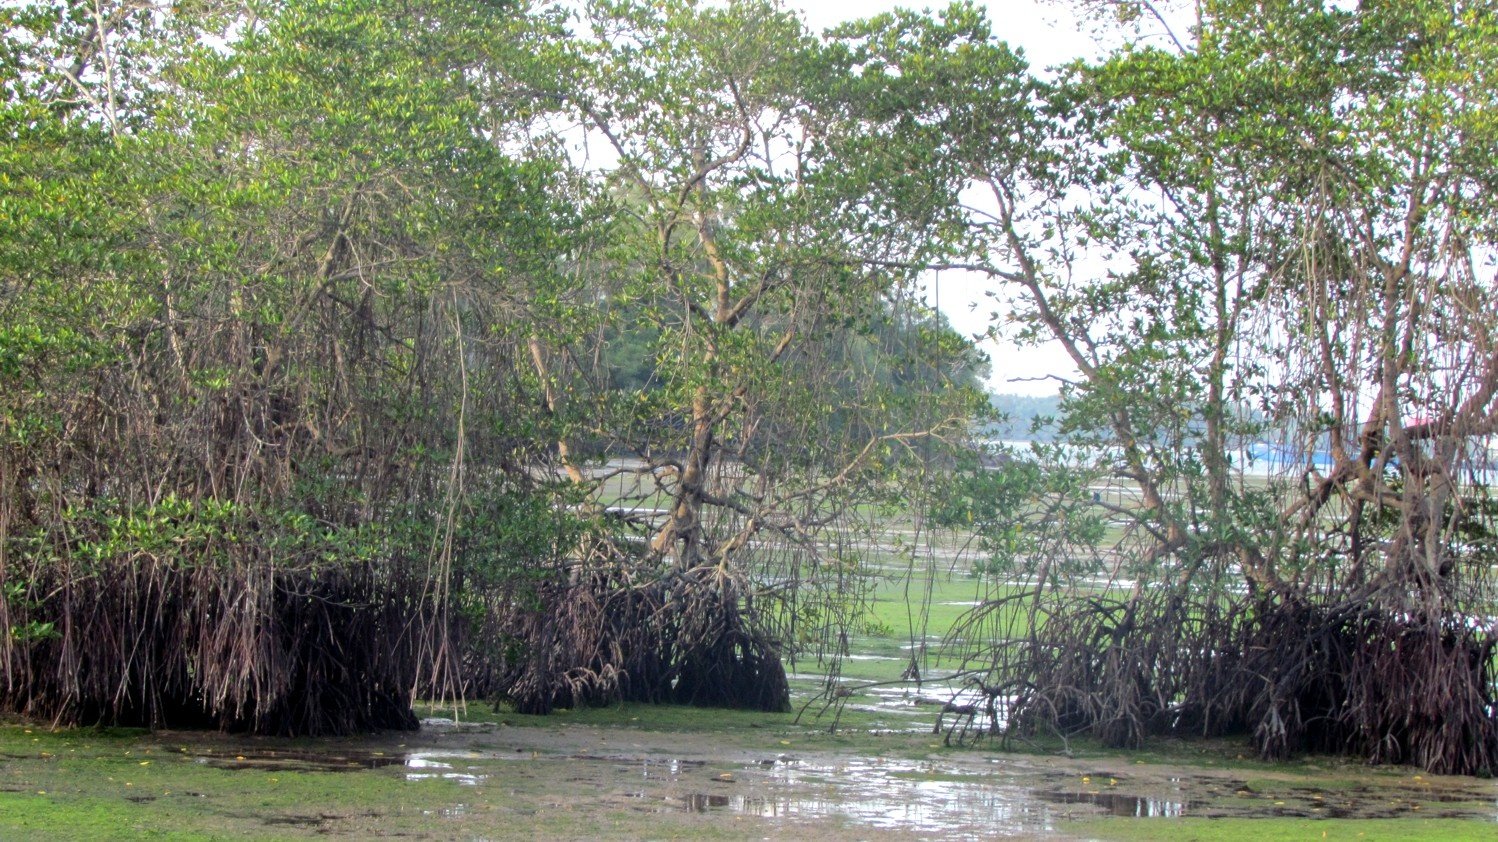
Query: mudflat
(646,773)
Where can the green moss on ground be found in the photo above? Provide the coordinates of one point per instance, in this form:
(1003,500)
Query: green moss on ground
(1285,830)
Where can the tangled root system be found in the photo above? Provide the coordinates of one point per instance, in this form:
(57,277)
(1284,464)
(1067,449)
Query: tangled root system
(1295,675)
(1390,687)
(231,647)
(610,635)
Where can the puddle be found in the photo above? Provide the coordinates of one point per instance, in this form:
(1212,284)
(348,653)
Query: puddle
(1119,804)
(962,795)
(875,792)
(885,796)
(466,782)
(300,760)
(913,707)
(701,802)
(904,795)
(423,766)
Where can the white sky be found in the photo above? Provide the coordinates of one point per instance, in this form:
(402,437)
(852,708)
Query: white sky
(1048,35)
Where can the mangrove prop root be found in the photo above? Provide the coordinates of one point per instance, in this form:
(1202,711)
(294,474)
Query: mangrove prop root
(606,636)
(234,647)
(1294,675)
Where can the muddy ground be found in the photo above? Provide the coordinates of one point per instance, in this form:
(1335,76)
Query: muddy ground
(646,774)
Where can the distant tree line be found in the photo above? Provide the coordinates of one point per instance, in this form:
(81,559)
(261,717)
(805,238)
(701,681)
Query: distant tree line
(1024,417)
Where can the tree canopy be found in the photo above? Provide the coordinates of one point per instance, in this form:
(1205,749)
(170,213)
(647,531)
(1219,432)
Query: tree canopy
(1279,230)
(352,350)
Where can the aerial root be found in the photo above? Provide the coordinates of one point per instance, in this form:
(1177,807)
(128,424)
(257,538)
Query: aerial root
(1294,675)
(234,647)
(604,636)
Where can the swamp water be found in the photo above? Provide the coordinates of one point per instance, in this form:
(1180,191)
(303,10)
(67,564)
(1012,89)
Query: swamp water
(605,774)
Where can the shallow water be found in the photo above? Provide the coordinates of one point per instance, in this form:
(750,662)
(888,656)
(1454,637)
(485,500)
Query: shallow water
(494,780)
(949,794)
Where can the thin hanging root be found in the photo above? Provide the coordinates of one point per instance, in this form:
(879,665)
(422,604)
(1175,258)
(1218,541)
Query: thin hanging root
(1349,677)
(234,647)
(683,637)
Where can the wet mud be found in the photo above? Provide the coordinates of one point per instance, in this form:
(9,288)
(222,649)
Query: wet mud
(500,781)
(952,794)
(297,760)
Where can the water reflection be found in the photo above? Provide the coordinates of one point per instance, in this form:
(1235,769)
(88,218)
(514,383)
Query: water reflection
(1121,804)
(875,792)
(667,768)
(944,795)
(299,760)
(701,802)
(938,796)
(889,794)
(428,767)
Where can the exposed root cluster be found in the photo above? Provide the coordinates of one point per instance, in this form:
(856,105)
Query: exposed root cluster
(237,648)
(607,635)
(1348,677)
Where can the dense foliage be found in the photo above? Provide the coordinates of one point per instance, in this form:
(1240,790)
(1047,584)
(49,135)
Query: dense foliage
(354,349)
(246,303)
(1275,237)
(310,346)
